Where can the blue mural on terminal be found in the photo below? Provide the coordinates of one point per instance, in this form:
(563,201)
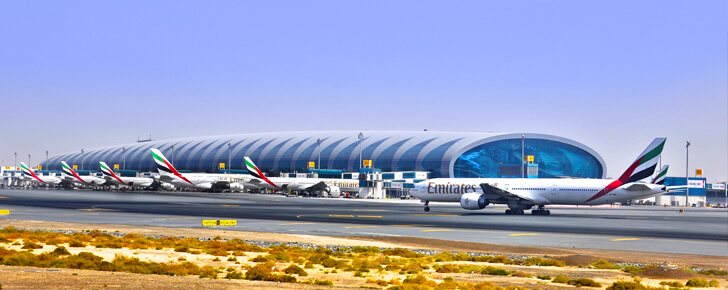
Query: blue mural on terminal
(500,158)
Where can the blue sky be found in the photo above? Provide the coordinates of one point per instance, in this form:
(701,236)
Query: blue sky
(610,74)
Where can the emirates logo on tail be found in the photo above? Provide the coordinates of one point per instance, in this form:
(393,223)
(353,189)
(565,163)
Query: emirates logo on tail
(254,171)
(640,169)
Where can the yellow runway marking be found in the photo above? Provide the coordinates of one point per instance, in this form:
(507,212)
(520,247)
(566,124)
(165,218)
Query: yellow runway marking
(440,230)
(230,205)
(291,224)
(410,225)
(4,211)
(628,239)
(2,197)
(529,234)
(359,227)
(370,216)
(97,209)
(340,215)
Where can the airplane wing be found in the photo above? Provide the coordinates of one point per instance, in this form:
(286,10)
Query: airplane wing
(637,187)
(308,186)
(498,195)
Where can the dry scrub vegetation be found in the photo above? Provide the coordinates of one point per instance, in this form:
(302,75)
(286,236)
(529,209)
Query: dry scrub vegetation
(368,267)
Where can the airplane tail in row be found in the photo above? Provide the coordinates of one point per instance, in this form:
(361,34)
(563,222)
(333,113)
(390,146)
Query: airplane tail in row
(25,169)
(66,170)
(28,172)
(107,172)
(165,167)
(254,171)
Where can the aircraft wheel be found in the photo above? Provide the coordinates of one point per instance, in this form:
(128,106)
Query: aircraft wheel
(548,212)
(536,212)
(427,208)
(508,211)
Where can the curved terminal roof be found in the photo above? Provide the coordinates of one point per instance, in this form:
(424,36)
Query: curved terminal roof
(434,151)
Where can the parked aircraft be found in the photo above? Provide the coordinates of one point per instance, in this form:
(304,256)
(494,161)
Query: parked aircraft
(207,181)
(521,194)
(29,175)
(112,178)
(314,186)
(71,176)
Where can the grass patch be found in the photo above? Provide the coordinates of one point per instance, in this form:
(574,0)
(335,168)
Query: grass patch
(561,279)
(603,264)
(584,282)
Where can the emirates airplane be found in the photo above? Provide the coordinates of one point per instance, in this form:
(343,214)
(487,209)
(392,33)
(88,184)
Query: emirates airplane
(29,175)
(71,176)
(521,194)
(111,177)
(314,186)
(206,181)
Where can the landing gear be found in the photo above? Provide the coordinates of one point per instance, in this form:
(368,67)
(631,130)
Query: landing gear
(514,211)
(541,211)
(427,205)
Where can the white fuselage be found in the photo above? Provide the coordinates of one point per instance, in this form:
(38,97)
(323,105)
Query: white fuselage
(303,183)
(540,191)
(202,180)
(42,179)
(130,181)
(84,179)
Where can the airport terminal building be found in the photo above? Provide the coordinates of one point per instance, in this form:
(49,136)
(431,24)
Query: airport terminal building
(442,154)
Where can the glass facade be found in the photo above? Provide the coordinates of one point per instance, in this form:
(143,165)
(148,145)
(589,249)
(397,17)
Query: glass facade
(391,151)
(554,159)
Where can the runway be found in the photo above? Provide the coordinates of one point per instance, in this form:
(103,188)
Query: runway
(701,231)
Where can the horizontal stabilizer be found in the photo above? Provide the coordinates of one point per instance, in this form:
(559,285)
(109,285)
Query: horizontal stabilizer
(637,187)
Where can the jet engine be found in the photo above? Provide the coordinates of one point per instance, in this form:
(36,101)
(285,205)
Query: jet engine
(237,187)
(473,201)
(333,191)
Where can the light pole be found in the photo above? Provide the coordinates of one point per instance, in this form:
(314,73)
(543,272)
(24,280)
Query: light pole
(361,136)
(31,166)
(230,156)
(46,163)
(16,161)
(318,164)
(687,178)
(82,159)
(123,150)
(523,154)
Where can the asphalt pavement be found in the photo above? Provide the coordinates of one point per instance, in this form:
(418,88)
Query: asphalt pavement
(639,228)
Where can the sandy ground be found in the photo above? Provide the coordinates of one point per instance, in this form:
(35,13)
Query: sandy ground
(37,278)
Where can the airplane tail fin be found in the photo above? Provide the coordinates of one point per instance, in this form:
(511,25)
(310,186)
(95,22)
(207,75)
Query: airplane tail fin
(660,178)
(66,170)
(163,165)
(24,168)
(254,171)
(640,169)
(645,164)
(105,170)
